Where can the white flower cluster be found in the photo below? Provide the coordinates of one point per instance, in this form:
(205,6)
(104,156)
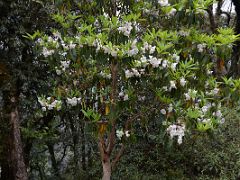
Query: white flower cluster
(169,109)
(148,47)
(97,43)
(126,29)
(183,81)
(73,101)
(191,94)
(176,58)
(183,33)
(163,3)
(64,66)
(50,104)
(57,35)
(201,47)
(134,50)
(204,120)
(111,51)
(172,85)
(176,130)
(213,92)
(172,12)
(141,98)
(47,52)
(105,75)
(217,114)
(69,46)
(134,73)
(155,62)
(123,96)
(120,133)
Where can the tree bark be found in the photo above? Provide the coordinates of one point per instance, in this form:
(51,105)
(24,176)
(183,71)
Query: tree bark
(106,164)
(83,148)
(53,159)
(235,67)
(75,139)
(19,169)
(14,167)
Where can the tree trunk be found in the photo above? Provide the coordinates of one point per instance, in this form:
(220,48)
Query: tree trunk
(13,161)
(53,159)
(76,145)
(106,164)
(83,148)
(235,67)
(17,159)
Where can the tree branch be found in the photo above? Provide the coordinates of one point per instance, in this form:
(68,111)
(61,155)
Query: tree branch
(211,19)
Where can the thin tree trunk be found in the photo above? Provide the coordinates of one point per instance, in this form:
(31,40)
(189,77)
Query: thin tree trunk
(75,139)
(53,159)
(106,164)
(83,148)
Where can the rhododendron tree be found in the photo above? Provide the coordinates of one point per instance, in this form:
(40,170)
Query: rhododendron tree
(129,62)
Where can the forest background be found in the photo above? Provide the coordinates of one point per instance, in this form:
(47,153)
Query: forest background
(120,89)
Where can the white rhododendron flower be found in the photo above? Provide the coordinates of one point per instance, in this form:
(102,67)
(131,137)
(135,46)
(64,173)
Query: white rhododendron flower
(73,101)
(119,134)
(121,94)
(201,47)
(126,28)
(172,85)
(187,96)
(165,88)
(163,111)
(71,45)
(127,133)
(163,2)
(58,71)
(204,109)
(164,63)
(173,66)
(183,33)
(125,98)
(183,81)
(134,49)
(222,120)
(128,74)
(154,61)
(176,130)
(49,104)
(172,12)
(46,52)
(176,58)
(170,108)
(218,113)
(190,94)
(105,75)
(215,91)
(65,65)
(132,73)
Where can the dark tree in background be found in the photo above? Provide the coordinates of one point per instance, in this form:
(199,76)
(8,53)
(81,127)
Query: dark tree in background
(236,55)
(18,81)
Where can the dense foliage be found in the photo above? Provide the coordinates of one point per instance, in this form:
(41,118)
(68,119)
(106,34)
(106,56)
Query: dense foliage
(98,80)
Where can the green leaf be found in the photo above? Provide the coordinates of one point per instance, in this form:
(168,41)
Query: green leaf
(193,113)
